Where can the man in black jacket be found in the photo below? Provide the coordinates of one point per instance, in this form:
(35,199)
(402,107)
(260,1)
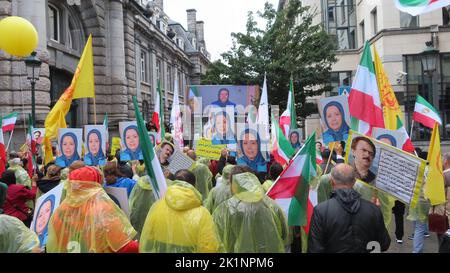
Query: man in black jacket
(346,223)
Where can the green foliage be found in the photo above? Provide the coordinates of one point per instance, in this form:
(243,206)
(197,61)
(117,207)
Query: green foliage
(290,44)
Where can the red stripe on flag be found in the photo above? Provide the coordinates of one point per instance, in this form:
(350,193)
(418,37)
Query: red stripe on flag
(363,108)
(408,146)
(425,120)
(285,187)
(2,158)
(309,213)
(8,128)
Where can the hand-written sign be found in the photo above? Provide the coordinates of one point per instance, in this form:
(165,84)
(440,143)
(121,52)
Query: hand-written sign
(179,161)
(207,150)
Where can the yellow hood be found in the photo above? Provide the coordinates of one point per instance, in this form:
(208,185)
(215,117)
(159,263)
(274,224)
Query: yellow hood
(182,196)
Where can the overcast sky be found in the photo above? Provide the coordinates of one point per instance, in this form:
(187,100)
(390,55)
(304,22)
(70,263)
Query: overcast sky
(221,17)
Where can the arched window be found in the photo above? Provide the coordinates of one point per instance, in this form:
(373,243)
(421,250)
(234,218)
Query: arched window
(53,22)
(145,110)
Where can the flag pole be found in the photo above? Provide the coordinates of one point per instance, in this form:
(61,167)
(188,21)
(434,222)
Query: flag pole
(412,125)
(95,112)
(332,144)
(9,141)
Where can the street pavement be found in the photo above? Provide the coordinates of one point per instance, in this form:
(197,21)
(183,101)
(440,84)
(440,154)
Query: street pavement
(430,244)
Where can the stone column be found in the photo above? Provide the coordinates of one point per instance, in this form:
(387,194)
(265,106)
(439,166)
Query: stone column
(117,60)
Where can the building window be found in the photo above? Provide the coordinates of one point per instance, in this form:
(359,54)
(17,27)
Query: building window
(373,15)
(194,43)
(339,79)
(408,21)
(340,21)
(144,66)
(145,110)
(363,32)
(169,83)
(446,15)
(159,72)
(53,21)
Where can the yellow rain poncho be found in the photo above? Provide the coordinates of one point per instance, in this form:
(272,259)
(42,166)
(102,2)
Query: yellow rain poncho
(248,221)
(387,202)
(203,179)
(15,237)
(267,184)
(88,220)
(221,192)
(141,199)
(179,224)
(21,174)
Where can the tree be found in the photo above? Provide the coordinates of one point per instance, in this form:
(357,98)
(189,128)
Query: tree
(289,45)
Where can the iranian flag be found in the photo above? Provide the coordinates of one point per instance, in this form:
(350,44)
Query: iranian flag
(407,145)
(282,150)
(176,120)
(2,154)
(319,159)
(425,113)
(105,123)
(152,165)
(288,119)
(291,189)
(31,153)
(364,99)
(8,122)
(158,115)
(416,7)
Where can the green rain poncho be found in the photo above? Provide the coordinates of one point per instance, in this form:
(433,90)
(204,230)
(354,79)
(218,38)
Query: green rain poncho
(324,189)
(247,222)
(203,179)
(15,237)
(421,210)
(220,193)
(177,223)
(141,199)
(20,173)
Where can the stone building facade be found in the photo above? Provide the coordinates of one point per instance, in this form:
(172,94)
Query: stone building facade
(135,45)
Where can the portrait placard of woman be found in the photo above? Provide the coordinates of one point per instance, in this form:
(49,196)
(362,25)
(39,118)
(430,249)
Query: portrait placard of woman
(334,119)
(294,139)
(68,147)
(222,132)
(132,148)
(94,143)
(43,215)
(250,147)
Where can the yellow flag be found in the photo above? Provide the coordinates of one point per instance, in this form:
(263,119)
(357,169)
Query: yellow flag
(434,185)
(391,108)
(84,86)
(57,116)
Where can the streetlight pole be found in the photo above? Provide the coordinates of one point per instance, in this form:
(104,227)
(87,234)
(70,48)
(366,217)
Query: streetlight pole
(33,65)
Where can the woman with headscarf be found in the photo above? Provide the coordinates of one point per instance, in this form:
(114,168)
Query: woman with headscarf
(95,155)
(88,220)
(334,117)
(15,237)
(250,145)
(294,139)
(132,146)
(250,222)
(68,148)
(222,132)
(223,99)
(388,139)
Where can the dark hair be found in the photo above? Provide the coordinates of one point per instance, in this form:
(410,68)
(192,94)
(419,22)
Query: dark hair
(275,170)
(39,160)
(110,169)
(365,139)
(8,177)
(167,143)
(423,155)
(231,160)
(24,162)
(171,176)
(125,171)
(326,154)
(186,176)
(241,169)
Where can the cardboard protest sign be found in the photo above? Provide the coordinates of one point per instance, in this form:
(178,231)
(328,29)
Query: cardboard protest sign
(205,149)
(69,146)
(335,118)
(120,197)
(46,205)
(179,161)
(95,145)
(385,167)
(130,146)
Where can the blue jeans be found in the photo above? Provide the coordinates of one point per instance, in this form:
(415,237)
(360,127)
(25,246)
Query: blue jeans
(420,228)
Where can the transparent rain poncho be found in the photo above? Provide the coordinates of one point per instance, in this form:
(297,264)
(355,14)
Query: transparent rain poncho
(15,237)
(88,220)
(141,199)
(221,192)
(179,224)
(249,221)
(203,179)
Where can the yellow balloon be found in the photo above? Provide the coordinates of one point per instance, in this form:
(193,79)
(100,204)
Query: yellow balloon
(18,36)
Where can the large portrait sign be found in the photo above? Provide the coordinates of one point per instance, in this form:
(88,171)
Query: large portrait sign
(95,142)
(130,146)
(45,206)
(385,167)
(38,135)
(69,146)
(391,137)
(335,118)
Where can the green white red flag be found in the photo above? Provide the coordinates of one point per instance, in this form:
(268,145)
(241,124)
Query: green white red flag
(282,150)
(425,113)
(416,7)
